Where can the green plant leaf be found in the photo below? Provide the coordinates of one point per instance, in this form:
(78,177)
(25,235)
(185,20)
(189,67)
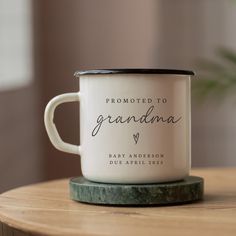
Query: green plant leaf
(228,55)
(217,77)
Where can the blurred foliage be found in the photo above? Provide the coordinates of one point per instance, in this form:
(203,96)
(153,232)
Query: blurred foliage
(217,77)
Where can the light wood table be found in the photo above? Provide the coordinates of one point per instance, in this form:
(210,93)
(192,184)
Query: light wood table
(45,209)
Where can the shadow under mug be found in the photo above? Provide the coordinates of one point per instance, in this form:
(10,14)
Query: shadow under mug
(135,125)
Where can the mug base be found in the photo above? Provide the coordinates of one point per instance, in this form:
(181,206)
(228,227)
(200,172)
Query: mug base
(134,179)
(188,190)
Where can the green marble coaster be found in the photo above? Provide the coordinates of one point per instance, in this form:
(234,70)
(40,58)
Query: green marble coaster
(188,190)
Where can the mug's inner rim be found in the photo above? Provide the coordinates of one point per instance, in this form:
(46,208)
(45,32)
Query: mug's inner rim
(134,71)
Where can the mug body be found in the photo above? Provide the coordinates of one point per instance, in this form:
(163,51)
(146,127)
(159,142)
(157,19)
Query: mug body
(135,127)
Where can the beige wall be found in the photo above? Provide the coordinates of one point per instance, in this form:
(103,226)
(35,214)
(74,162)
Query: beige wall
(21,157)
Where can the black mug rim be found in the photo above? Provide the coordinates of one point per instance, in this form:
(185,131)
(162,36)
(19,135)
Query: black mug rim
(134,71)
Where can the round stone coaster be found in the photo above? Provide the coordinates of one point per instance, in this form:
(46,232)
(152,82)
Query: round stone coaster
(188,190)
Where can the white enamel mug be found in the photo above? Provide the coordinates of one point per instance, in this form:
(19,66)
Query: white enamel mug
(135,125)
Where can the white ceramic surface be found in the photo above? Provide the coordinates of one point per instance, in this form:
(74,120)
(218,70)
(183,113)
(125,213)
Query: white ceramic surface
(134,128)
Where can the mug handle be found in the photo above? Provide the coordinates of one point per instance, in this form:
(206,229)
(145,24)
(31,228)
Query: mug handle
(51,129)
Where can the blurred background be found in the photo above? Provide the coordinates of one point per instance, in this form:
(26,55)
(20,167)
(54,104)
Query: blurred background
(42,43)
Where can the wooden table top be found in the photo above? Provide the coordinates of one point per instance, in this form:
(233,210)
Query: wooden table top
(45,209)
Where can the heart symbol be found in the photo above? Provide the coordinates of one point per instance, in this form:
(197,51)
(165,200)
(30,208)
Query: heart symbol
(136,137)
